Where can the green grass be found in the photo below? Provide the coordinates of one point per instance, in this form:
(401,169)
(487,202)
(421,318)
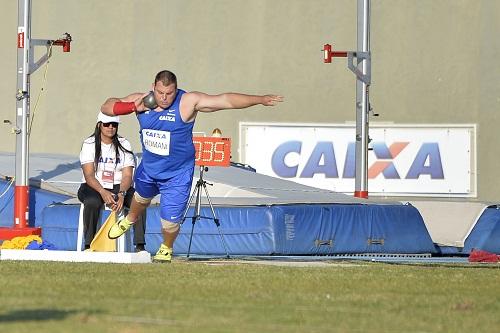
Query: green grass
(200,297)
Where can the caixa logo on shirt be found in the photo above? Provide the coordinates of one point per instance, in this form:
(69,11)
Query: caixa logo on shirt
(323,160)
(167,118)
(109,160)
(155,134)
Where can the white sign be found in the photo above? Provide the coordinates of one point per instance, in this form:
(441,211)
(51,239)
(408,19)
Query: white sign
(403,160)
(157,142)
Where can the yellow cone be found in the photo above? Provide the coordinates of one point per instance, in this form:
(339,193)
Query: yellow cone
(101,241)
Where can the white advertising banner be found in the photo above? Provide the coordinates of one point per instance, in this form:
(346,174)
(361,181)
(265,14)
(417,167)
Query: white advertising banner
(403,160)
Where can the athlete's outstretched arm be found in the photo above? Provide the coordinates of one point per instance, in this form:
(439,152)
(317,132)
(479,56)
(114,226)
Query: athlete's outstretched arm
(211,103)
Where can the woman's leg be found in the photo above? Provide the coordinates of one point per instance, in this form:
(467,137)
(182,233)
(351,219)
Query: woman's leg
(92,205)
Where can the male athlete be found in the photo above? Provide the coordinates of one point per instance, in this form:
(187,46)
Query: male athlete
(167,164)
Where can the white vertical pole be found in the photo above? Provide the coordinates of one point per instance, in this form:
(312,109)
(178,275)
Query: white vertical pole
(362,100)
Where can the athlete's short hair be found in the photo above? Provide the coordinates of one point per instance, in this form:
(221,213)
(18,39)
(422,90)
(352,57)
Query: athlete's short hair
(166,77)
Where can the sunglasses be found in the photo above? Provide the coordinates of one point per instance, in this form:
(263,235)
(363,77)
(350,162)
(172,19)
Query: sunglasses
(113,124)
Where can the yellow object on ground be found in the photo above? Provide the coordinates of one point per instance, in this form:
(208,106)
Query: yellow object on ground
(20,243)
(101,241)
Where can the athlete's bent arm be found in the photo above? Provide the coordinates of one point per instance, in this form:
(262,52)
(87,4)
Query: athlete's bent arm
(114,106)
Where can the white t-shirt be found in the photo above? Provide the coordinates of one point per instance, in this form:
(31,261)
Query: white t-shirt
(108,171)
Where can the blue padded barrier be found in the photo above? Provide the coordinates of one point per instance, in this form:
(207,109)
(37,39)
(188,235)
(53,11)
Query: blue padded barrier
(275,230)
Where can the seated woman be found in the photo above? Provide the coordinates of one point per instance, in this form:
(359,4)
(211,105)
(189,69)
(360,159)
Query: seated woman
(108,165)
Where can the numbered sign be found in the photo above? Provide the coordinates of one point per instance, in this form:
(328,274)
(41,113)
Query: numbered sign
(212,151)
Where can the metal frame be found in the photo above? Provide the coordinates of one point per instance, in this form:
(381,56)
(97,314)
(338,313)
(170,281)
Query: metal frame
(202,183)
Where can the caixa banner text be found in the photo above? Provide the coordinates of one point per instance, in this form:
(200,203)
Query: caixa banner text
(403,160)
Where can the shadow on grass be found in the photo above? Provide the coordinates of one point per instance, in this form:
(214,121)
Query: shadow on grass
(35,315)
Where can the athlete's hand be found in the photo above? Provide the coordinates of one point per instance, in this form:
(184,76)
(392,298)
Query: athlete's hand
(139,102)
(271,100)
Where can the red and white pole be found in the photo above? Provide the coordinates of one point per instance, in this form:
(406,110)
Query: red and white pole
(21,193)
(25,67)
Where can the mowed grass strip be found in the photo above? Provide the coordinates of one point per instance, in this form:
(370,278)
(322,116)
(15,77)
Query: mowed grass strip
(233,297)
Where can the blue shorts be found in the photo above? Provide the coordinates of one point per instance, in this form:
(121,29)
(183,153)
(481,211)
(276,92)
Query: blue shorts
(174,191)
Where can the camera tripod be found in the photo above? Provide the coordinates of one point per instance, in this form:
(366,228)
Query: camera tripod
(201,183)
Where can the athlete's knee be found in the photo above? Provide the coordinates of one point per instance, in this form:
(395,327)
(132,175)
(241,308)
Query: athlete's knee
(169,227)
(142,200)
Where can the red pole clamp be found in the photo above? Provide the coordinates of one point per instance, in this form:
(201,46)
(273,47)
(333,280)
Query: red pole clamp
(327,49)
(64,42)
(329,54)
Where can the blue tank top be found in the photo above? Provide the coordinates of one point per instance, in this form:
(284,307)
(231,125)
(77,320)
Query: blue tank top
(167,141)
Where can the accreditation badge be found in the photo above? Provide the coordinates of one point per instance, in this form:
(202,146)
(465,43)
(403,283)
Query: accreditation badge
(108,179)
